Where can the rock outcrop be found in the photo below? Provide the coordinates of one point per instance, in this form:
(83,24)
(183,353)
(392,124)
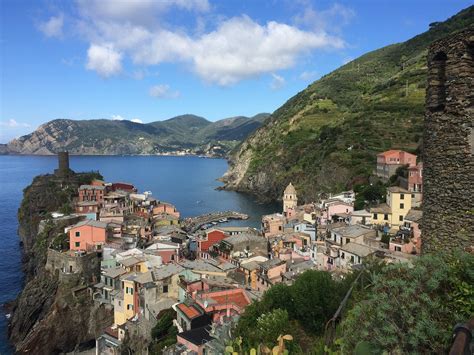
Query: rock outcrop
(50,316)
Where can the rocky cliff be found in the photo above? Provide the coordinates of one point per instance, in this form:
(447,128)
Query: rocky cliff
(48,317)
(326,137)
(187,134)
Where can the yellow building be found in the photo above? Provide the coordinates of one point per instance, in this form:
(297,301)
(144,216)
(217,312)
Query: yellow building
(394,211)
(126,304)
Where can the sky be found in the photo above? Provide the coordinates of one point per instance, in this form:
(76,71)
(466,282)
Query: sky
(149,60)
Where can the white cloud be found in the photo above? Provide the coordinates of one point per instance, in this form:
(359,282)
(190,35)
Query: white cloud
(11,123)
(104,59)
(117,118)
(163,92)
(333,18)
(219,50)
(139,12)
(277,82)
(53,27)
(136,120)
(308,75)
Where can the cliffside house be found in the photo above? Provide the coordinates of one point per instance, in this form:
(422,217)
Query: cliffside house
(270,272)
(165,208)
(388,162)
(92,193)
(272,224)
(88,235)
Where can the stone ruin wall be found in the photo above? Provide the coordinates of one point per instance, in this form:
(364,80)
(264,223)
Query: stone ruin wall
(448,145)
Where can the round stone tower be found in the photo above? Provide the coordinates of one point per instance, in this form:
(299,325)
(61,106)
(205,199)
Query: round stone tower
(290,199)
(448,145)
(63,165)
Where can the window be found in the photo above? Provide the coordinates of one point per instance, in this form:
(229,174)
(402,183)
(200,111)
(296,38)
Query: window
(375,215)
(78,234)
(165,288)
(400,218)
(352,258)
(343,255)
(402,196)
(172,257)
(130,307)
(398,248)
(385,216)
(402,206)
(77,244)
(348,240)
(412,195)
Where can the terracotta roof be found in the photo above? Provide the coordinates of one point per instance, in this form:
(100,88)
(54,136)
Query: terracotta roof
(236,297)
(190,311)
(390,152)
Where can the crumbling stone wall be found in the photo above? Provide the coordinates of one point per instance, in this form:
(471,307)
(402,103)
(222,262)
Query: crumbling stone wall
(448,175)
(87,266)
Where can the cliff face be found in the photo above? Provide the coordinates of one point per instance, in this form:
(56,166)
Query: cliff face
(326,137)
(186,134)
(47,316)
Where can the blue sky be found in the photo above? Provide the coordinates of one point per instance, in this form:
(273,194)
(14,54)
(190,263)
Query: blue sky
(148,60)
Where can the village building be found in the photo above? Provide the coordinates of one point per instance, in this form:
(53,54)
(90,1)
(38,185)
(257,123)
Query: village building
(363,217)
(88,235)
(168,251)
(270,272)
(290,201)
(272,224)
(408,238)
(92,193)
(242,245)
(210,237)
(393,212)
(165,208)
(388,162)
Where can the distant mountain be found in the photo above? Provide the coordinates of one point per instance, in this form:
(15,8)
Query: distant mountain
(185,134)
(326,137)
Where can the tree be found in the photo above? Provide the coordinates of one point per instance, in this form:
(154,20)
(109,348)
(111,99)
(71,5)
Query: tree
(316,297)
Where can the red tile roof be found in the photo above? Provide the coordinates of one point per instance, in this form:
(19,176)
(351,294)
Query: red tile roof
(190,311)
(236,297)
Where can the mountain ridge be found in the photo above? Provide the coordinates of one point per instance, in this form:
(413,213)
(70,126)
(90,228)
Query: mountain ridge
(184,134)
(326,137)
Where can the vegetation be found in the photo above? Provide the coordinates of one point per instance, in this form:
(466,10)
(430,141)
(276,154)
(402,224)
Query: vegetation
(327,136)
(413,309)
(300,310)
(164,332)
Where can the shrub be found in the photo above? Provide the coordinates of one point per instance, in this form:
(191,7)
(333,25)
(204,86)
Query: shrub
(413,309)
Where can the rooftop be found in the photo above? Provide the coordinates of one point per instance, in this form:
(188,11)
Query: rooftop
(414,215)
(242,238)
(382,208)
(166,271)
(197,336)
(190,311)
(358,249)
(398,189)
(114,272)
(90,222)
(354,231)
(91,187)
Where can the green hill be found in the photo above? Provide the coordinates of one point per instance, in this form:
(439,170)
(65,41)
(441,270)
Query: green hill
(188,134)
(326,137)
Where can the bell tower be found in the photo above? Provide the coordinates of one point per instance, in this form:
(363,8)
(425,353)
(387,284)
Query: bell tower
(290,199)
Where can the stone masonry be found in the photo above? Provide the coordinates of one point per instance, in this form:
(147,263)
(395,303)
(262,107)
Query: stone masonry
(448,152)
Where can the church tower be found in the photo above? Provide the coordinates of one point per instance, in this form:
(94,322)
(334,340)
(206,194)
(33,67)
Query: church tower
(290,200)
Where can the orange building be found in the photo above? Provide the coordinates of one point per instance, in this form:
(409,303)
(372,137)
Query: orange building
(165,207)
(91,193)
(88,235)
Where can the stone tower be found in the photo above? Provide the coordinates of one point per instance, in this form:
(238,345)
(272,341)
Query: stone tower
(448,145)
(63,165)
(290,199)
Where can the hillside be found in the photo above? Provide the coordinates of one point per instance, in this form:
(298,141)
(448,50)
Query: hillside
(326,137)
(186,134)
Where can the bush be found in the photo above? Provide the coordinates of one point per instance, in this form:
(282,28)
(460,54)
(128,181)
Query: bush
(413,309)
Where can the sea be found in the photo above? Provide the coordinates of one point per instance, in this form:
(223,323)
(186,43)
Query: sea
(187,182)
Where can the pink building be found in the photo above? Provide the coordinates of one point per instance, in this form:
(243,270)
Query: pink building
(168,251)
(415,178)
(389,161)
(226,303)
(270,273)
(88,235)
(331,208)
